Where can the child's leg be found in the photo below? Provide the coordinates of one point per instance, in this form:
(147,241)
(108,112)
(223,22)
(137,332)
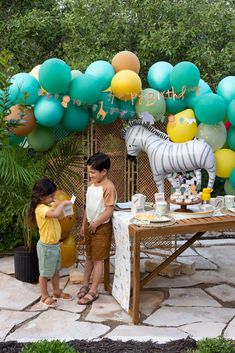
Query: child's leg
(43,287)
(89,265)
(97,274)
(55,281)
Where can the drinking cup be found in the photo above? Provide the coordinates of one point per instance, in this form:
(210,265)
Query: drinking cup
(229,201)
(161,208)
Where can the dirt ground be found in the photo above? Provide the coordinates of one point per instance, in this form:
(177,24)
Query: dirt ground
(109,346)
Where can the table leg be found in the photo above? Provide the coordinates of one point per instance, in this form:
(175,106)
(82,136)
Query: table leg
(136,281)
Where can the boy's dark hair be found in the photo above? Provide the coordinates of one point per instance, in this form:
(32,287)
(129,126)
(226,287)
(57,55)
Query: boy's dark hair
(99,161)
(43,187)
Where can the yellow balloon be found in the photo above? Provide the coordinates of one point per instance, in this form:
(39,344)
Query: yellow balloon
(34,72)
(182,126)
(66,223)
(225,162)
(68,252)
(126,84)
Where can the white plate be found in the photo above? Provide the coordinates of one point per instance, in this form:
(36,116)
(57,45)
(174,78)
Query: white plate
(156,219)
(188,215)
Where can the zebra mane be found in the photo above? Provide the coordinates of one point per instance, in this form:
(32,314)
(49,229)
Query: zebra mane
(146,125)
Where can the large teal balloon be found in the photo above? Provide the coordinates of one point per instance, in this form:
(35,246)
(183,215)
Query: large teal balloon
(86,89)
(41,139)
(127,109)
(151,101)
(232,178)
(214,135)
(75,73)
(23,89)
(226,88)
(75,118)
(107,110)
(175,105)
(159,76)
(192,97)
(231,112)
(231,138)
(103,71)
(184,76)
(54,76)
(210,108)
(48,111)
(228,188)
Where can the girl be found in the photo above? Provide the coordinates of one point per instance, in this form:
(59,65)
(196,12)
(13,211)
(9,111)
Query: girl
(45,216)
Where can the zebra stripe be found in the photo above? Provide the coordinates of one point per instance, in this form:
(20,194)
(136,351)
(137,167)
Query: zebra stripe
(166,157)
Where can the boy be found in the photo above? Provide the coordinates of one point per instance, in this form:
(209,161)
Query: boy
(96,226)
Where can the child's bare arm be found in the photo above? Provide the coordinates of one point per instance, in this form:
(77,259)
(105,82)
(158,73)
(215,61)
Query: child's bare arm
(56,212)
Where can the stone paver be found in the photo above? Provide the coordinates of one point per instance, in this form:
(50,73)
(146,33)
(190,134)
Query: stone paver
(223,292)
(189,297)
(199,305)
(145,333)
(54,324)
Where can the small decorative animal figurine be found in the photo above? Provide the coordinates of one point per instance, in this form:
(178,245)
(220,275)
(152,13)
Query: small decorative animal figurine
(167,157)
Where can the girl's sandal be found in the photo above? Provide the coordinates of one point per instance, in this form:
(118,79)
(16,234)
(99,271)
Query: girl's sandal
(82,292)
(63,296)
(49,302)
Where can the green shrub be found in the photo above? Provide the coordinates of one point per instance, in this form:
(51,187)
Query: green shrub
(48,347)
(214,345)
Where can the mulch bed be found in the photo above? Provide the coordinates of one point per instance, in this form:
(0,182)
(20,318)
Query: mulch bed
(109,346)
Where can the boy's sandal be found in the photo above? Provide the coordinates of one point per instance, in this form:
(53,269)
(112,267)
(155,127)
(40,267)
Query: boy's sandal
(89,298)
(63,296)
(82,292)
(49,302)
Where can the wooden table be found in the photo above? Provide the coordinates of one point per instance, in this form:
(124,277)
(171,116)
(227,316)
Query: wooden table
(196,226)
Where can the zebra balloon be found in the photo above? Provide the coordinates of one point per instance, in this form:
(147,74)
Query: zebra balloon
(167,157)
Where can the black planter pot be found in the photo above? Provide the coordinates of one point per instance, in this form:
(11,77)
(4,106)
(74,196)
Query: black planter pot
(26,265)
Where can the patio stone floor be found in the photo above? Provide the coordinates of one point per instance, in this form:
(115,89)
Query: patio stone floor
(198,305)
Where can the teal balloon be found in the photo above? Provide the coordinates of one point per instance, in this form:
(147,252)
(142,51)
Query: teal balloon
(106,111)
(75,118)
(184,76)
(48,111)
(192,97)
(159,76)
(232,178)
(228,188)
(214,135)
(75,73)
(85,89)
(15,140)
(23,89)
(226,88)
(103,71)
(127,109)
(210,108)
(231,138)
(175,105)
(151,101)
(41,139)
(231,112)
(55,76)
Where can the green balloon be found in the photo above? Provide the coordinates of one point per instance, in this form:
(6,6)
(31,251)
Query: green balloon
(41,139)
(175,105)
(54,76)
(127,109)
(85,89)
(151,101)
(106,111)
(229,190)
(192,97)
(214,135)
(232,178)
(184,76)
(226,88)
(15,140)
(231,138)
(231,112)
(75,118)
(210,108)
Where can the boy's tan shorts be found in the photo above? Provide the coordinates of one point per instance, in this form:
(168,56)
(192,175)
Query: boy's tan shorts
(98,244)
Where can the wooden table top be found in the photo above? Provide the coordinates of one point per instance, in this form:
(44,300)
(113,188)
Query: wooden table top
(184,226)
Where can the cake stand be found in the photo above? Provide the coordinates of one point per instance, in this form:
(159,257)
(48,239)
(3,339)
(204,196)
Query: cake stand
(183,205)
